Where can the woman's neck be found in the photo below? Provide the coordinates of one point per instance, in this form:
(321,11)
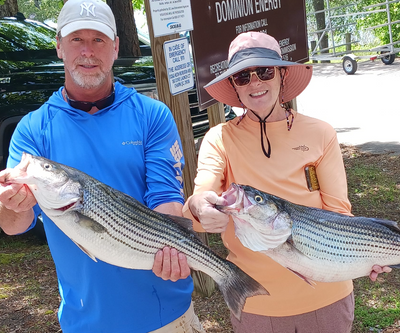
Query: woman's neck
(278,114)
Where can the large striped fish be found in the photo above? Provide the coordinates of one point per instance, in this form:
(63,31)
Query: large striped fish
(316,244)
(113,227)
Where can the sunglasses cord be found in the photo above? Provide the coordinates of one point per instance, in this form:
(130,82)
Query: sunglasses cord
(263,128)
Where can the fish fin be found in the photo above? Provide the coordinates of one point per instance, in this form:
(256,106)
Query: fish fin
(393,226)
(310,282)
(289,242)
(89,223)
(90,255)
(182,221)
(236,286)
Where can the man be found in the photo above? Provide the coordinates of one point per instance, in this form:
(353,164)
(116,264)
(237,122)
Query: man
(125,140)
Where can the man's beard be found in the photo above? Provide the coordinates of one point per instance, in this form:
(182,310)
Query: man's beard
(84,80)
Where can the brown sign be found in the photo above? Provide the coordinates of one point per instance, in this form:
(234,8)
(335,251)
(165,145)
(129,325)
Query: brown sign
(217,23)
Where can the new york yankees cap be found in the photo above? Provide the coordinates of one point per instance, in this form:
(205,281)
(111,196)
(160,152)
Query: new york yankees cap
(90,14)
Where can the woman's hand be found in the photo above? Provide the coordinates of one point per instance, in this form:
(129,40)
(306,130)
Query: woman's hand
(376,269)
(202,206)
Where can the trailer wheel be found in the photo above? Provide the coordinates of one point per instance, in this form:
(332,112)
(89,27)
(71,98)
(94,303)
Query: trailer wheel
(388,59)
(349,65)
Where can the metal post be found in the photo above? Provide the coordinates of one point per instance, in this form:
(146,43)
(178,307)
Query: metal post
(348,41)
(389,26)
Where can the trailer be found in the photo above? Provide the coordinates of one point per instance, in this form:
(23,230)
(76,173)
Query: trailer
(349,58)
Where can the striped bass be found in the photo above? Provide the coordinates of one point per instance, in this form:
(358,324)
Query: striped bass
(316,244)
(113,227)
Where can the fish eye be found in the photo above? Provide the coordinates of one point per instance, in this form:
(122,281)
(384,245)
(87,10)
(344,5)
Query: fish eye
(47,166)
(259,199)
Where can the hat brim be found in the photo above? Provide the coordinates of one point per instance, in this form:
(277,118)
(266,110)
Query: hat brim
(298,78)
(91,25)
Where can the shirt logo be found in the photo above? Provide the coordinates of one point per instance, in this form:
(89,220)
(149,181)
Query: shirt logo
(132,143)
(303,148)
(89,7)
(177,155)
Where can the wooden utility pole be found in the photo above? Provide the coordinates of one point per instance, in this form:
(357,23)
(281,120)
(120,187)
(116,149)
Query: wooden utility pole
(178,104)
(216,114)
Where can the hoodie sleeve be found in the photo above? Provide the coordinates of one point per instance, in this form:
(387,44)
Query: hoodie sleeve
(163,157)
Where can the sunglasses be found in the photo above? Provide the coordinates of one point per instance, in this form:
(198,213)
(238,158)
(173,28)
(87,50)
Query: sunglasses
(243,78)
(87,106)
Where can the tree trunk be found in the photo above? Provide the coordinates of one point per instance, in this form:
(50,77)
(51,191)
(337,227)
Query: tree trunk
(126,27)
(320,18)
(10,8)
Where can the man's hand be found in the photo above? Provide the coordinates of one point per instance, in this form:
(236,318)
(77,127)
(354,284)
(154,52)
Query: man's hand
(376,269)
(171,265)
(16,203)
(16,197)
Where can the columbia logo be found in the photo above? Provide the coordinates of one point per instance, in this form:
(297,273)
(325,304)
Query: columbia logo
(302,148)
(133,143)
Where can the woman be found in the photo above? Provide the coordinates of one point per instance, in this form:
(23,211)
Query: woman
(272,148)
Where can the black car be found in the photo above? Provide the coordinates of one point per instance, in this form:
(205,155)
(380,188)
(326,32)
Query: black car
(30,72)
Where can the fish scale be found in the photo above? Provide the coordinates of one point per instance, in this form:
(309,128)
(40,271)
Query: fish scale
(322,245)
(111,226)
(344,242)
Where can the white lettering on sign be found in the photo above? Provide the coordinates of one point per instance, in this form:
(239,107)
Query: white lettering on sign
(219,67)
(266,5)
(227,10)
(252,26)
(231,9)
(286,47)
(179,65)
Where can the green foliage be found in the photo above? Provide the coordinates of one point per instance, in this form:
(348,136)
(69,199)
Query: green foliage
(138,4)
(357,24)
(374,19)
(40,10)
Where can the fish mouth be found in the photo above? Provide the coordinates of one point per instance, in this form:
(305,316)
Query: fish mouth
(236,200)
(67,207)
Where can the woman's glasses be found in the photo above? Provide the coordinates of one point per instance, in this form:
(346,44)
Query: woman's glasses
(243,78)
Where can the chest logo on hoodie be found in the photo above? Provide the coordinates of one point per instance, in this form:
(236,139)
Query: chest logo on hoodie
(132,143)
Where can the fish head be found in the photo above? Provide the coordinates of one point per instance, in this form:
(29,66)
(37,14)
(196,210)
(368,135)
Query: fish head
(51,184)
(259,222)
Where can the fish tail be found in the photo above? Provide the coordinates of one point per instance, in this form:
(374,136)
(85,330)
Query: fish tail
(236,287)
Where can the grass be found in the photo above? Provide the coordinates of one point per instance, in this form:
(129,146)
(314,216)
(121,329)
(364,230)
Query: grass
(374,191)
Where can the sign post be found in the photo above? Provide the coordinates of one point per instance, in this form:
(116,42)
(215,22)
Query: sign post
(178,104)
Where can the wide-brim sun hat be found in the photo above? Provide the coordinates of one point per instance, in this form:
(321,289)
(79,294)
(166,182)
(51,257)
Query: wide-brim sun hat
(257,49)
(86,14)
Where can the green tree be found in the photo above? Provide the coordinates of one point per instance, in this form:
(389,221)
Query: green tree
(8,7)
(351,16)
(379,18)
(40,10)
